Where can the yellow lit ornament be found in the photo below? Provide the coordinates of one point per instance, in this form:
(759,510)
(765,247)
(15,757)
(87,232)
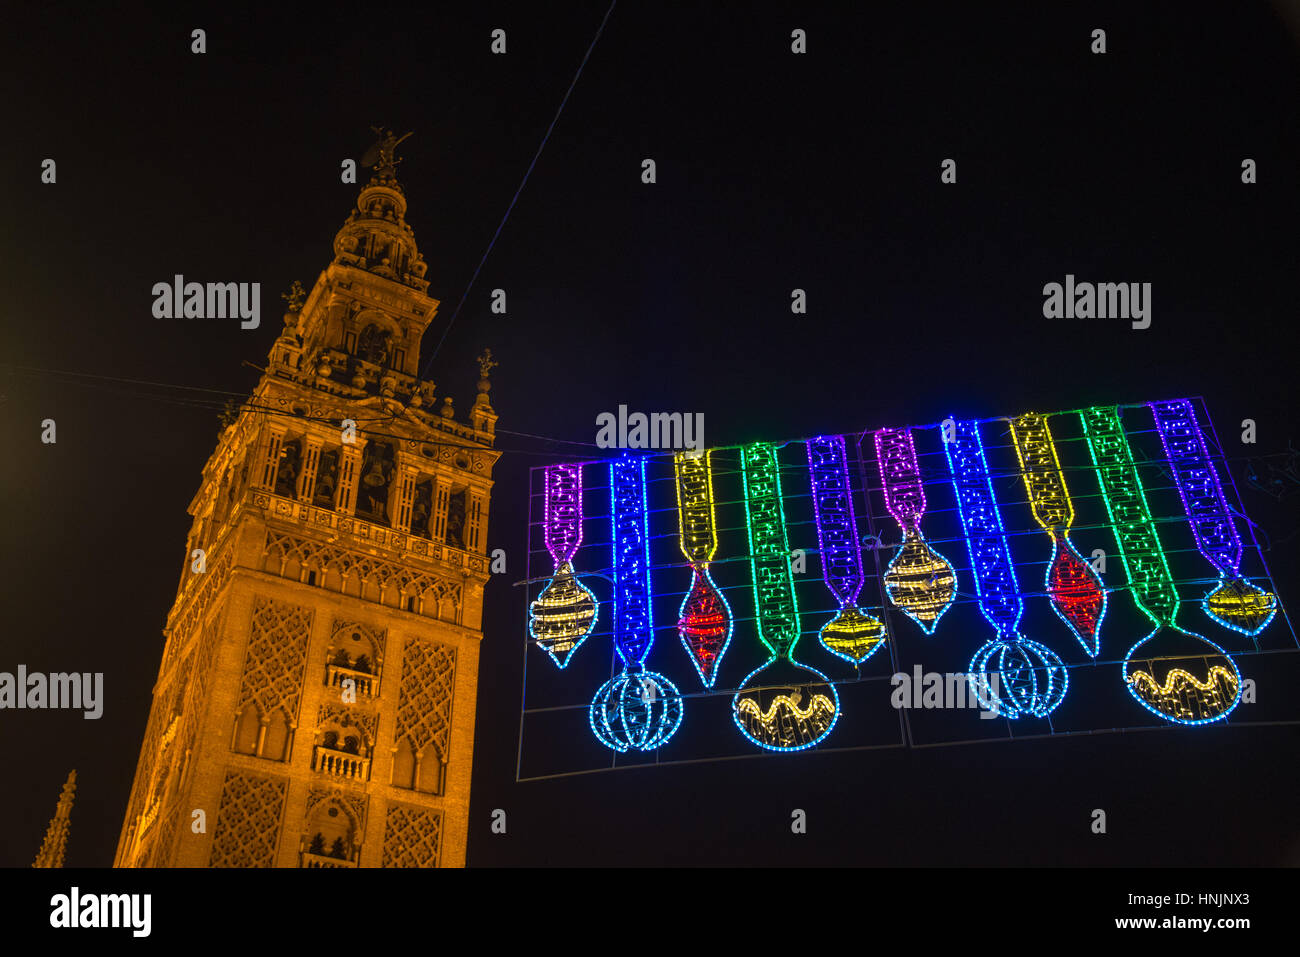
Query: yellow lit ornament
(853,633)
(919,580)
(1235,603)
(564,614)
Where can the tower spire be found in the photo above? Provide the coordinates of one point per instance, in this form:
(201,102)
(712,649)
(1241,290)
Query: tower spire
(56,835)
(376,237)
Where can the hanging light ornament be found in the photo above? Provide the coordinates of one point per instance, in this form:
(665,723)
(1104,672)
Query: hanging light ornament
(782,705)
(564,614)
(636,709)
(1074,588)
(704,622)
(853,634)
(1032,680)
(1177,674)
(1234,602)
(918,580)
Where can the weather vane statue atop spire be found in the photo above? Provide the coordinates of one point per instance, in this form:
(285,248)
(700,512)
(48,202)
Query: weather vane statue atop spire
(380,155)
(485,366)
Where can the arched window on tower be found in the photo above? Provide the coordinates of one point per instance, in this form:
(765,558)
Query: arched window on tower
(286,475)
(404,765)
(375,345)
(417,771)
(271,740)
(372,491)
(456,519)
(422,509)
(327,477)
(353,665)
(430,777)
(275,745)
(332,838)
(248,727)
(224,500)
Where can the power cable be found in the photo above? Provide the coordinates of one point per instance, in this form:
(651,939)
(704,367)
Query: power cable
(425,373)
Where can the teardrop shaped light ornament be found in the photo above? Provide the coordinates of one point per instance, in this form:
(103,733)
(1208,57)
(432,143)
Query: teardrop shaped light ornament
(919,580)
(853,634)
(1031,679)
(1174,673)
(782,705)
(1234,602)
(704,622)
(637,709)
(1075,590)
(564,614)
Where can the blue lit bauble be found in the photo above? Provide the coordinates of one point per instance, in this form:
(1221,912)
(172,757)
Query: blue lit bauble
(637,709)
(1032,680)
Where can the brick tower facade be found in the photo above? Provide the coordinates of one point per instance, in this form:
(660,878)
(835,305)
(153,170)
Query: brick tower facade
(315,702)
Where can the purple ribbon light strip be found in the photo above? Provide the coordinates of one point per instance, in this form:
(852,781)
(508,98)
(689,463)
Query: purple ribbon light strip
(837,532)
(1198,485)
(904,495)
(563,512)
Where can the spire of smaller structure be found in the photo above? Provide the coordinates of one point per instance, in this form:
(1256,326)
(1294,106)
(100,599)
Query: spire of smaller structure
(56,835)
(483,417)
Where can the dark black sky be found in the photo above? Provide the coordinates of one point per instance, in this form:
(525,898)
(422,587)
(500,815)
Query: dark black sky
(774,172)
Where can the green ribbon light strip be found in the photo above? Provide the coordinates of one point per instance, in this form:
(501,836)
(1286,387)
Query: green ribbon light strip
(775,605)
(1135,530)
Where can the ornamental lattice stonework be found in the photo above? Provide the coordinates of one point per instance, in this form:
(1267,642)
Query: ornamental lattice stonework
(424,707)
(276,657)
(248,823)
(412,837)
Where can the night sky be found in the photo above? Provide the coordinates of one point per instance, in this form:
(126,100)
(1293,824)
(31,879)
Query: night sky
(775,171)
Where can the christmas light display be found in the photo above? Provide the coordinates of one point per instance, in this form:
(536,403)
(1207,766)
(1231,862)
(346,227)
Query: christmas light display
(918,580)
(1032,680)
(782,705)
(564,614)
(853,634)
(1178,675)
(1076,592)
(787,705)
(704,621)
(638,708)
(1234,603)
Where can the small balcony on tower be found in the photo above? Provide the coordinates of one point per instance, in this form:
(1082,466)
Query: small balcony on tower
(341,757)
(364,683)
(323,860)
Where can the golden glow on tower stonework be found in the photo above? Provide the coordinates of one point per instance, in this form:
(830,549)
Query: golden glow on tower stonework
(315,702)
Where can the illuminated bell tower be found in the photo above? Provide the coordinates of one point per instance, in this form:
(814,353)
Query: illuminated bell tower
(315,702)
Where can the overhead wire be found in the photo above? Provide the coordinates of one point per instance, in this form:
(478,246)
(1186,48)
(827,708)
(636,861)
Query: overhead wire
(514,199)
(239,401)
